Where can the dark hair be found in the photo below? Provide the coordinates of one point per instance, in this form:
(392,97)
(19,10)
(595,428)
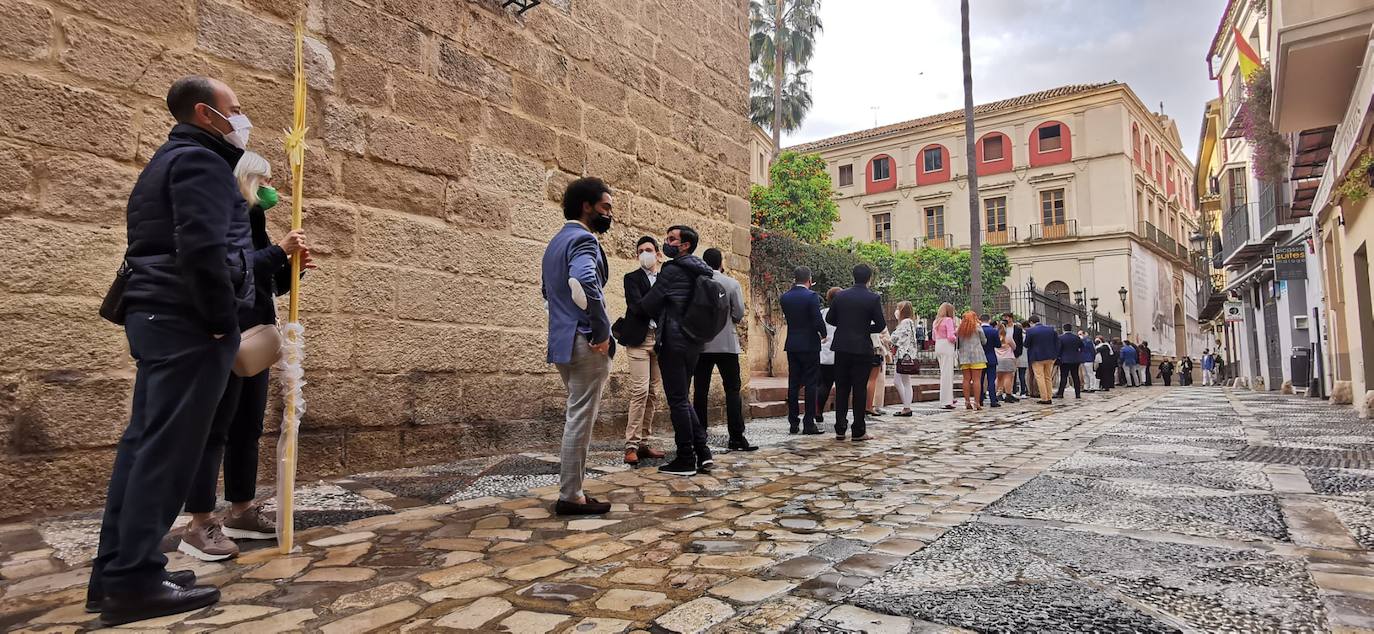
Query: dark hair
(801,274)
(712,258)
(1068,327)
(583,190)
(643,240)
(1034,319)
(686,234)
(985,317)
(862,273)
(185,93)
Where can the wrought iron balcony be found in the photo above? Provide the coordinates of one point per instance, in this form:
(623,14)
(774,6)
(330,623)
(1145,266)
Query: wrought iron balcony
(1060,231)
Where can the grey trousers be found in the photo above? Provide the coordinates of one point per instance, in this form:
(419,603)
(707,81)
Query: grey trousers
(585,377)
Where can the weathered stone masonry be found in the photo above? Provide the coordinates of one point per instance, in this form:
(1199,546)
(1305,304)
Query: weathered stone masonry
(442,133)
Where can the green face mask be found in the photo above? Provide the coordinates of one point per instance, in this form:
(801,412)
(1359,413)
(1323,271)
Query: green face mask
(267,197)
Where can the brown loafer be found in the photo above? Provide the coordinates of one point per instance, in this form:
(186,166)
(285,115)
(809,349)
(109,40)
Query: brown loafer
(650,452)
(631,456)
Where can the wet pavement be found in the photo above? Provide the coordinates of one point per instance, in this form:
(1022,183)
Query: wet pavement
(1146,510)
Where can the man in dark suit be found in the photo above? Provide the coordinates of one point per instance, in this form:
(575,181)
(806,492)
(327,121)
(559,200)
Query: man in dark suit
(992,342)
(856,314)
(1070,355)
(805,332)
(1042,348)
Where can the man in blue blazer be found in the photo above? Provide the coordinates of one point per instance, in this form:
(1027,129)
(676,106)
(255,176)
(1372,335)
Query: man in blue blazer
(580,346)
(1070,355)
(856,313)
(992,342)
(1042,349)
(805,333)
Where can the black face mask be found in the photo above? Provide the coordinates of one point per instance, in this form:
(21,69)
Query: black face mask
(601,223)
(671,250)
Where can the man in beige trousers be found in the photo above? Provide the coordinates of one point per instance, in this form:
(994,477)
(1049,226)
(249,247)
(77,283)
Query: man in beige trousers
(638,333)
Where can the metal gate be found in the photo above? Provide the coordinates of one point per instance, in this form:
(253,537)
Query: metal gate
(1272,353)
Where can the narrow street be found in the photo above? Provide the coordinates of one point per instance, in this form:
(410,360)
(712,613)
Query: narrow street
(1152,510)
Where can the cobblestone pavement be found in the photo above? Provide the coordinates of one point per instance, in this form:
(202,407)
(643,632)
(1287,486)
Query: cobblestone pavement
(1190,509)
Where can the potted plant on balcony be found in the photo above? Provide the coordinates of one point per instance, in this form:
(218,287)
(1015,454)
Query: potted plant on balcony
(1355,186)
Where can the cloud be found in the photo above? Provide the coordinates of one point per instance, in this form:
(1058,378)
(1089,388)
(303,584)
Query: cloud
(905,57)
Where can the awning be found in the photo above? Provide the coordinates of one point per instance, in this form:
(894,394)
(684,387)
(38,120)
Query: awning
(1311,150)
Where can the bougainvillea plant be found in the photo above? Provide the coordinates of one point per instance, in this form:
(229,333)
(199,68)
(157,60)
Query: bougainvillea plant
(1269,150)
(1355,186)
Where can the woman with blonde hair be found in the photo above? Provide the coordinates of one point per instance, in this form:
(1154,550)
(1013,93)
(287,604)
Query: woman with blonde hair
(1006,364)
(237,425)
(972,359)
(945,332)
(907,342)
(877,377)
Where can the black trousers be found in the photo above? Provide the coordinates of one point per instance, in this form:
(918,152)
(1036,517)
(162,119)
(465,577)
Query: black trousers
(1019,385)
(1069,371)
(824,388)
(728,363)
(851,390)
(803,377)
(1168,379)
(234,442)
(676,368)
(1148,381)
(182,372)
(1106,375)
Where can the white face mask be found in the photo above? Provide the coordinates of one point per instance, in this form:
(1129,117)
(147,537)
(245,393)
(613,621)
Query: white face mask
(242,127)
(647,260)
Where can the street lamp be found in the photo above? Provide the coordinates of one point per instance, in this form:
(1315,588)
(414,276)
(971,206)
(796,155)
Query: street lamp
(1122,294)
(1078,297)
(1093,303)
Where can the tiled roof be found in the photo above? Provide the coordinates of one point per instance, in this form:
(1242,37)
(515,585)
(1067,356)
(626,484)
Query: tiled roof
(953,115)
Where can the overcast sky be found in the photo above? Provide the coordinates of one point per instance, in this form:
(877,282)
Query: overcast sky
(904,56)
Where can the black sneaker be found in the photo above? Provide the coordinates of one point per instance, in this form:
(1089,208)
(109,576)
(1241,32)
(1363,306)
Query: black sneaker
(705,466)
(742,445)
(590,507)
(681,465)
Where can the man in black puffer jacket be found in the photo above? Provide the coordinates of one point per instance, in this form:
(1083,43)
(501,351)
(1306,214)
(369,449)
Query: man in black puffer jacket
(677,353)
(189,237)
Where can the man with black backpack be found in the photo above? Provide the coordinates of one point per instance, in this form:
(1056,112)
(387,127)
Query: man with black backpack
(690,308)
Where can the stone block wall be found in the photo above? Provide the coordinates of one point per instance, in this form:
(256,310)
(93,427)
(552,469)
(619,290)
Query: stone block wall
(442,133)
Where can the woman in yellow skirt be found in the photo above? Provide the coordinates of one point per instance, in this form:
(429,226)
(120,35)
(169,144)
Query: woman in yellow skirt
(972,360)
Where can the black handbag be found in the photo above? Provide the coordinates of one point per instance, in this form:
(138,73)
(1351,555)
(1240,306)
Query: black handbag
(113,307)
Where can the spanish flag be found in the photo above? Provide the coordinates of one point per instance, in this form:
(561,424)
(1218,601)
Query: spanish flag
(1249,59)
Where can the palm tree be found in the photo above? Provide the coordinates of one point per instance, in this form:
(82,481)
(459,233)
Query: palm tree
(782,35)
(975,242)
(796,99)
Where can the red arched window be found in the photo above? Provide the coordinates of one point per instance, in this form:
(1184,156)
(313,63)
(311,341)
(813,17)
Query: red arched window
(1050,144)
(994,154)
(932,164)
(1159,168)
(882,175)
(1149,165)
(1135,143)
